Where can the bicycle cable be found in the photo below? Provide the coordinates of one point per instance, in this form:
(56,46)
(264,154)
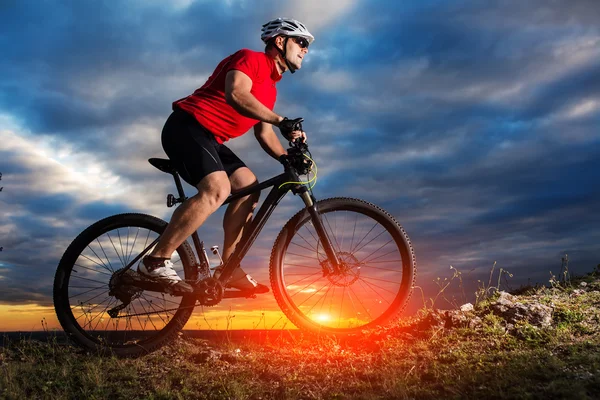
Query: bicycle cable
(314,178)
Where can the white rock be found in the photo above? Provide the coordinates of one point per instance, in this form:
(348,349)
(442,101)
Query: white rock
(466,307)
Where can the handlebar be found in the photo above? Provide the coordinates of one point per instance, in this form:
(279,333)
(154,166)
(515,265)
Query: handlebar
(296,155)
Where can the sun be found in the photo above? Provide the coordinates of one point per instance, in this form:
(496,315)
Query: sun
(323,317)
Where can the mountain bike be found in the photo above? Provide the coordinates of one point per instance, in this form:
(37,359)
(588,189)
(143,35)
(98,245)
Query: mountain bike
(338,266)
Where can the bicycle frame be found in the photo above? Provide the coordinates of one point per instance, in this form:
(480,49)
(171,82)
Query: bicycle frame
(266,209)
(280,187)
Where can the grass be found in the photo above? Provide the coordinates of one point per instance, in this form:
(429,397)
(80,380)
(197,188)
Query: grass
(411,359)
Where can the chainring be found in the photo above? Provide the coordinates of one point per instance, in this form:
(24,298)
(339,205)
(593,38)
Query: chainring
(209,292)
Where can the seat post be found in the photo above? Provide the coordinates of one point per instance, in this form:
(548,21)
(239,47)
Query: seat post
(179,186)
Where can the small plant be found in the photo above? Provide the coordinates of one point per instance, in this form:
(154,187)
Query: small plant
(443,285)
(487,291)
(565,276)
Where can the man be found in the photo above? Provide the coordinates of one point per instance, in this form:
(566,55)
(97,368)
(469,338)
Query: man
(240,94)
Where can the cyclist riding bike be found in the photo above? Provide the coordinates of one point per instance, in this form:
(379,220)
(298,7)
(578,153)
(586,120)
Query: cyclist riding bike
(240,94)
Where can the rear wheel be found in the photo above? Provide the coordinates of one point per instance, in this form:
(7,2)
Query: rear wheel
(87,287)
(375,278)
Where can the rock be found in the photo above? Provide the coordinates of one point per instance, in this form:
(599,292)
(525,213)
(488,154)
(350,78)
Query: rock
(536,314)
(506,299)
(205,356)
(466,307)
(583,284)
(461,319)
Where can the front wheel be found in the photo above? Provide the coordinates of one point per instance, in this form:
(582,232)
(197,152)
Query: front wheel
(375,276)
(100,310)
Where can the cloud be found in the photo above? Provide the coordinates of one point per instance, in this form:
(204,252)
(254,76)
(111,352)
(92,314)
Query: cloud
(474,125)
(318,15)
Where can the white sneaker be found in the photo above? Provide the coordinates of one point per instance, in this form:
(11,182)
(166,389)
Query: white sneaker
(242,281)
(163,273)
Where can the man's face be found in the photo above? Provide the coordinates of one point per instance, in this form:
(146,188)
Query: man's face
(297,47)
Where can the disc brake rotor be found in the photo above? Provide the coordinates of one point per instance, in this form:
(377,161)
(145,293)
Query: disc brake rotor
(349,269)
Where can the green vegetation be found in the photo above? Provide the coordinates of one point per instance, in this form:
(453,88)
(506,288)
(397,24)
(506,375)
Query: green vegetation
(482,356)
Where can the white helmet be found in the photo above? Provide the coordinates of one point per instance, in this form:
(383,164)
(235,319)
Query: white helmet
(287,27)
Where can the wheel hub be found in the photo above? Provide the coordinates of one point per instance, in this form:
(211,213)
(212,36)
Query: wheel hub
(349,270)
(120,287)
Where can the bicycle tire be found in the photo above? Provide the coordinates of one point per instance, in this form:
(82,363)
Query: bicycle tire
(283,260)
(83,261)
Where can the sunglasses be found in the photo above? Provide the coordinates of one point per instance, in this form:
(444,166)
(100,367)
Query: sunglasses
(303,43)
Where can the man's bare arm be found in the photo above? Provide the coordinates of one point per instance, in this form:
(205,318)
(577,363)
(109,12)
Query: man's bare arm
(238,96)
(268,139)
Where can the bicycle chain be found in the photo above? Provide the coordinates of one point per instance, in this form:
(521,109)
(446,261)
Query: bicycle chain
(161,311)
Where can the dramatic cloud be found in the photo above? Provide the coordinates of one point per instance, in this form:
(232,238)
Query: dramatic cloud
(475,125)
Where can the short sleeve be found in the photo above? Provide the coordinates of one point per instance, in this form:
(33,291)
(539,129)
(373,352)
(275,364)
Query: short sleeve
(246,61)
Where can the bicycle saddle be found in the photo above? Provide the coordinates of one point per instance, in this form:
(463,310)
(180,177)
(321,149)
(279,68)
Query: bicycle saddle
(163,164)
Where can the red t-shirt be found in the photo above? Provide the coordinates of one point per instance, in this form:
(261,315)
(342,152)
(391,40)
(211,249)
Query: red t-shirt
(208,104)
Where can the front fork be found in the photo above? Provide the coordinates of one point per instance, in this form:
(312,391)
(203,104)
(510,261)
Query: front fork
(334,265)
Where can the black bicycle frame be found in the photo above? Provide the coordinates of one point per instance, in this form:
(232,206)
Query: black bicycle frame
(281,186)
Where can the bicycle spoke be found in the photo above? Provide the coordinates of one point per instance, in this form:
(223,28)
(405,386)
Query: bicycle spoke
(158,298)
(382,269)
(369,242)
(334,236)
(311,246)
(148,316)
(300,255)
(370,285)
(300,280)
(314,293)
(91,269)
(87,291)
(92,298)
(302,247)
(380,280)
(157,312)
(92,320)
(388,242)
(87,287)
(304,288)
(90,280)
(133,244)
(324,298)
(353,232)
(302,266)
(115,249)
(341,306)
(362,304)
(101,265)
(105,255)
(353,251)
(352,301)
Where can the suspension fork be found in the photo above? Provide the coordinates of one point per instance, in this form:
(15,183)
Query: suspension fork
(321,232)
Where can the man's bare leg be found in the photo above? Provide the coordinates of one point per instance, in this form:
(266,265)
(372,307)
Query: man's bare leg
(213,190)
(239,212)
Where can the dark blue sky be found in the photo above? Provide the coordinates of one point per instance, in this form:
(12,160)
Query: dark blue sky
(474,123)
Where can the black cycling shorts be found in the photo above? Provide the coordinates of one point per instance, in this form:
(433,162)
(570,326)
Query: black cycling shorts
(193,150)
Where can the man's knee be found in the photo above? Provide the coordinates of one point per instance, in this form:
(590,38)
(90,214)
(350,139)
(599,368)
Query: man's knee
(215,188)
(242,179)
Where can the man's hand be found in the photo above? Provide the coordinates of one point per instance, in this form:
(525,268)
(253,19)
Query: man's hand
(291,129)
